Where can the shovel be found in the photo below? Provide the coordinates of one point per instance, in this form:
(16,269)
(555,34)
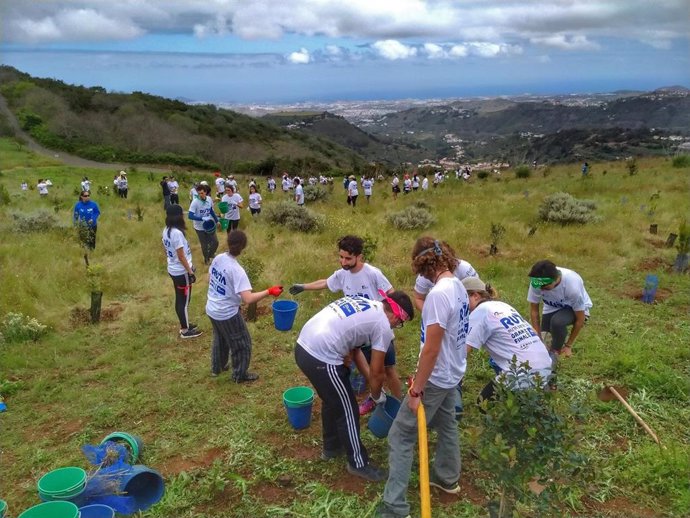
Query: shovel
(424,489)
(605,395)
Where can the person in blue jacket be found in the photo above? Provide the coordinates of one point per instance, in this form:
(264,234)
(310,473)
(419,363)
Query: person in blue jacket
(200,212)
(86,213)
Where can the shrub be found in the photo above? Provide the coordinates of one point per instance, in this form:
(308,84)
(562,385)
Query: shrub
(369,248)
(411,218)
(681,161)
(16,327)
(294,217)
(631,165)
(562,208)
(523,171)
(421,204)
(4,195)
(483,175)
(41,221)
(254,267)
(497,232)
(315,193)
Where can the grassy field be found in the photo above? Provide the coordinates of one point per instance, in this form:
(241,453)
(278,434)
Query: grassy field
(227,450)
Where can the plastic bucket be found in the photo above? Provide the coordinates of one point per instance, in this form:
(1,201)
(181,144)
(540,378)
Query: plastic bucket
(296,397)
(52,510)
(62,482)
(299,416)
(284,312)
(381,420)
(224,223)
(3,508)
(223,207)
(144,485)
(96,511)
(209,225)
(358,382)
(133,442)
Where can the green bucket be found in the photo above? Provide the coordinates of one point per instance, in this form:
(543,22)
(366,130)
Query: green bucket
(296,397)
(52,510)
(224,223)
(62,481)
(223,207)
(134,443)
(3,508)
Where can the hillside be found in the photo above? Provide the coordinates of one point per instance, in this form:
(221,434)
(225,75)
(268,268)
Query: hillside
(337,129)
(142,128)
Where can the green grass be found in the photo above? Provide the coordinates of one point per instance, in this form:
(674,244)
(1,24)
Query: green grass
(227,450)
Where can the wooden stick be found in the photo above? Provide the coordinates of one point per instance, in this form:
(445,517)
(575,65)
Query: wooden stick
(634,414)
(424,489)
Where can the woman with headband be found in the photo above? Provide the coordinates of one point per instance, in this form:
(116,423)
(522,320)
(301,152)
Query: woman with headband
(330,336)
(441,366)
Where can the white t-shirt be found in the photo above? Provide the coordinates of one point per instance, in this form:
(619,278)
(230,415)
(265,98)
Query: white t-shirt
(201,208)
(233,182)
(299,195)
(352,188)
(463,270)
(344,325)
(227,279)
(42,188)
(286,184)
(173,186)
(407,184)
(425,184)
(233,212)
(220,184)
(570,293)
(448,305)
(365,283)
(122,183)
(504,333)
(86,185)
(172,244)
(255,200)
(367,184)
(415,183)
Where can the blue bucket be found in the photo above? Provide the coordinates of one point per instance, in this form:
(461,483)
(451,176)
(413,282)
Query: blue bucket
(358,382)
(209,226)
(284,312)
(381,420)
(299,416)
(144,485)
(96,511)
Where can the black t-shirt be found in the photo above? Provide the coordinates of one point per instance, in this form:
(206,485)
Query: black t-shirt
(166,189)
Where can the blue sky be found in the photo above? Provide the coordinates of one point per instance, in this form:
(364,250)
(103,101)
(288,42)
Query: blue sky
(268,51)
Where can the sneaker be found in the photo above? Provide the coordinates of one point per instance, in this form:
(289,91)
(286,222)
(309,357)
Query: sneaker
(368,472)
(192,332)
(192,326)
(451,489)
(246,378)
(367,406)
(331,454)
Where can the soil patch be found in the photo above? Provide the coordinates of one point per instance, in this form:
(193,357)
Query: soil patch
(82,316)
(661,294)
(655,242)
(272,494)
(618,507)
(260,311)
(178,464)
(653,264)
(606,395)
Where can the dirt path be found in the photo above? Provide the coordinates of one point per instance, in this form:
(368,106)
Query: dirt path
(65,158)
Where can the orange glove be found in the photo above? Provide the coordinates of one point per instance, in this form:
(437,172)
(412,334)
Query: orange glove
(275,290)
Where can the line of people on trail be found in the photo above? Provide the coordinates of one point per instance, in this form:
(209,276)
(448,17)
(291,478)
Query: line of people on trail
(459,312)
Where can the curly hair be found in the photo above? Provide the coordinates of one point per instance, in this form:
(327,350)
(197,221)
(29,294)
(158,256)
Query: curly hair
(430,255)
(237,242)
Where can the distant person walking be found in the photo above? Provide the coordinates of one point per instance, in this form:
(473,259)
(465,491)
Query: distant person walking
(86,184)
(352,191)
(299,192)
(228,288)
(395,183)
(368,185)
(254,201)
(174,190)
(85,219)
(425,183)
(180,268)
(566,303)
(42,187)
(122,185)
(235,203)
(585,169)
(166,192)
(200,212)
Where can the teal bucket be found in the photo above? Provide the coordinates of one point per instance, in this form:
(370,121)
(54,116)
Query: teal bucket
(52,510)
(298,403)
(284,313)
(381,420)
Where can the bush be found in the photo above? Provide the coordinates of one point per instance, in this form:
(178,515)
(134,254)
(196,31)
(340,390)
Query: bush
(483,175)
(523,171)
(411,218)
(41,221)
(315,193)
(294,217)
(16,327)
(681,161)
(562,208)
(4,195)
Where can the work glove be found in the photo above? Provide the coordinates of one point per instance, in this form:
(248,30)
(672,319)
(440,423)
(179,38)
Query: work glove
(296,288)
(192,278)
(275,290)
(381,400)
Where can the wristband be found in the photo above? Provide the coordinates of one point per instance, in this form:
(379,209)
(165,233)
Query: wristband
(414,394)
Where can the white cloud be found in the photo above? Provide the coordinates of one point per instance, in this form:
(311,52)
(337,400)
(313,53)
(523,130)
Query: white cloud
(302,57)
(393,50)
(459,51)
(565,42)
(434,51)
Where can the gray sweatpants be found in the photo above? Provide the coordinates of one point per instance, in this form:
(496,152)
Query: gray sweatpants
(209,244)
(439,407)
(231,337)
(557,324)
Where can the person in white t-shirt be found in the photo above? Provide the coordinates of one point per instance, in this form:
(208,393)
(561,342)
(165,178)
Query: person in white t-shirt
(357,278)
(566,303)
(441,366)
(42,188)
(228,288)
(231,180)
(254,200)
(299,192)
(367,185)
(285,183)
(422,285)
(324,345)
(271,184)
(180,267)
(86,184)
(235,203)
(352,191)
(174,187)
(505,334)
(220,186)
(200,212)
(395,183)
(425,183)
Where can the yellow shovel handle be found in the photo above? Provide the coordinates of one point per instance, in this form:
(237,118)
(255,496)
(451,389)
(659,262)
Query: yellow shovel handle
(424,490)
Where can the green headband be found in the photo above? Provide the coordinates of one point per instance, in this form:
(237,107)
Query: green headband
(540,282)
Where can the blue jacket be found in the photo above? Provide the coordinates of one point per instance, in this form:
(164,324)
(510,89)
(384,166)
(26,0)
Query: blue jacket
(86,213)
